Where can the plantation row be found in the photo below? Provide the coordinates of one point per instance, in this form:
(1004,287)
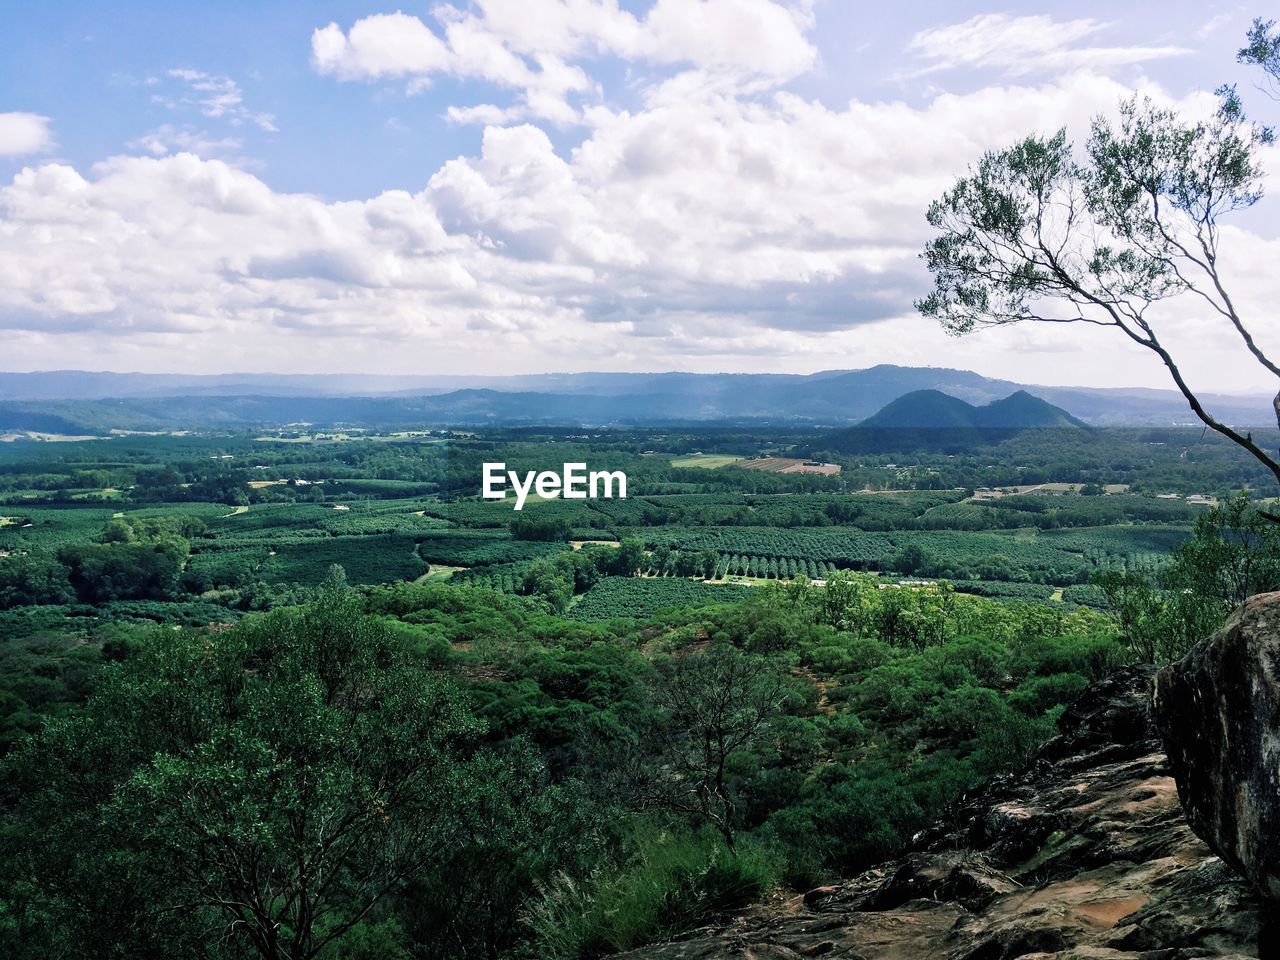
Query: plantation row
(474,548)
(616,598)
(773,568)
(503,577)
(1056,558)
(864,511)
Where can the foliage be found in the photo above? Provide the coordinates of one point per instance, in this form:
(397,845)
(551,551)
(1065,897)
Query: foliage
(136,559)
(634,598)
(709,706)
(671,881)
(621,750)
(334,764)
(1234,553)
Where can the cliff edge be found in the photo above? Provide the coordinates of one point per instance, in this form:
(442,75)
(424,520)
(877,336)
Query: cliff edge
(1084,854)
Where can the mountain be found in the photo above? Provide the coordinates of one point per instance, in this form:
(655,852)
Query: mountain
(923,410)
(934,410)
(1021,410)
(104,401)
(1085,853)
(933,420)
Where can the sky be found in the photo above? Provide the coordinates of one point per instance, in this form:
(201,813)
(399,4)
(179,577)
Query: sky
(510,186)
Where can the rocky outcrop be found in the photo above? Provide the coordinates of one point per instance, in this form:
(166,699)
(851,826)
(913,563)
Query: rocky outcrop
(1086,854)
(1219,714)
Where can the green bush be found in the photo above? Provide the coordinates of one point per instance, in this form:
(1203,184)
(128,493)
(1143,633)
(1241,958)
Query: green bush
(671,880)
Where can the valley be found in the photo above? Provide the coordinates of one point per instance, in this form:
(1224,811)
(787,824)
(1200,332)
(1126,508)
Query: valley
(895,611)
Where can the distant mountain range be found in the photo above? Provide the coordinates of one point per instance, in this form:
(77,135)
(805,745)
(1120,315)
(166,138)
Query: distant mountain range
(77,402)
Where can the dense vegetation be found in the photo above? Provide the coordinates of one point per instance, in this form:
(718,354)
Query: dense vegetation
(316,699)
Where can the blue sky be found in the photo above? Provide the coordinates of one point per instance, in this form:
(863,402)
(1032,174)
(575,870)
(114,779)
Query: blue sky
(86,66)
(556,184)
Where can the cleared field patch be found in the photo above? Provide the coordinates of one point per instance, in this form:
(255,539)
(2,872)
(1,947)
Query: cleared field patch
(579,544)
(440,571)
(46,437)
(790,465)
(708,461)
(1058,489)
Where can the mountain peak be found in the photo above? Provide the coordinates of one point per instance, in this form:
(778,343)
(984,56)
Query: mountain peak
(933,409)
(1022,409)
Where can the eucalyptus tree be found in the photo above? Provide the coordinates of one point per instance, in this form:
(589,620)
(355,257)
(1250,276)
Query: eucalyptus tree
(1263,50)
(1042,231)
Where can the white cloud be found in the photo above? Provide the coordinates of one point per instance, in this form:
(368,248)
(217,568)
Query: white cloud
(708,231)
(214,96)
(1214,24)
(24,133)
(754,42)
(1021,45)
(382,45)
(722,223)
(168,138)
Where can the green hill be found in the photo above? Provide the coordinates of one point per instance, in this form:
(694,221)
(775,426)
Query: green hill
(933,409)
(931,419)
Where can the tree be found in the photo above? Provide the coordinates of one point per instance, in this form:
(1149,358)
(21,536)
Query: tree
(1034,233)
(1233,555)
(258,793)
(630,556)
(708,707)
(658,559)
(708,561)
(34,578)
(1263,49)
(909,560)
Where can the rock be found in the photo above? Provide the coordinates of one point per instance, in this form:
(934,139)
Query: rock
(1112,715)
(947,876)
(1218,711)
(1084,855)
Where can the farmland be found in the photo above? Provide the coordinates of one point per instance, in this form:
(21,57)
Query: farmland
(709,461)
(257,520)
(790,465)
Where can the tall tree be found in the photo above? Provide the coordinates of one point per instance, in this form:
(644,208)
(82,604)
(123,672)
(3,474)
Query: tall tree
(257,793)
(1040,232)
(708,706)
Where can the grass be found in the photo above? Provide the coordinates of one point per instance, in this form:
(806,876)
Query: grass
(439,571)
(708,461)
(671,882)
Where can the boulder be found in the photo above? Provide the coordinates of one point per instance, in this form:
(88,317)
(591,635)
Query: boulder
(1218,711)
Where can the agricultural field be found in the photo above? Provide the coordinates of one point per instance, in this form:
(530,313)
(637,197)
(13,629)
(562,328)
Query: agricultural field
(790,465)
(709,461)
(149,525)
(639,598)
